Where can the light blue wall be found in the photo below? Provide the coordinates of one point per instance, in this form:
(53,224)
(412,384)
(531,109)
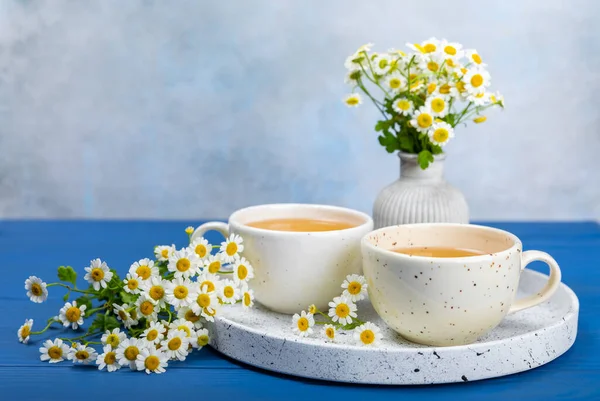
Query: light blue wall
(191,109)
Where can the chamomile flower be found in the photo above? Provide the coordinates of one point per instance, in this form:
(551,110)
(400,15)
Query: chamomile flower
(396,82)
(247,298)
(231,248)
(24,331)
(365,48)
(144,269)
(329,332)
(211,281)
(127,314)
(342,310)
(72,315)
(186,313)
(368,335)
(353,100)
(146,307)
(458,90)
(113,338)
(185,326)
(205,303)
(403,106)
(431,63)
(431,45)
(213,263)
(82,354)
(474,57)
(476,80)
(189,230)
(354,61)
(202,338)
(242,271)
(155,288)
(355,287)
(132,284)
(178,292)
(229,293)
(422,119)
(382,64)
(184,263)
(36,289)
(175,345)
(479,99)
(108,359)
(303,323)
(98,274)
(54,351)
(152,360)
(440,133)
(155,333)
(438,105)
(497,98)
(128,351)
(312,309)
(201,247)
(451,50)
(352,77)
(164,252)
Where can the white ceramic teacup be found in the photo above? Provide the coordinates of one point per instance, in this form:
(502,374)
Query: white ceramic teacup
(295,269)
(448,301)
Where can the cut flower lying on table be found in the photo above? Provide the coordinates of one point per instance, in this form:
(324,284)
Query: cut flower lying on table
(154,315)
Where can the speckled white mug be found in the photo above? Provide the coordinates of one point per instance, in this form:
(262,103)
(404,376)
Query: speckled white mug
(448,301)
(295,269)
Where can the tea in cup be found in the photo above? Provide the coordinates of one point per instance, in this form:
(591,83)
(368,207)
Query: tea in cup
(448,284)
(301,253)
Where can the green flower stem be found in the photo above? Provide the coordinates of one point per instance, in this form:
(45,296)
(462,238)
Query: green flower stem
(170,315)
(222,272)
(459,119)
(375,101)
(71,288)
(375,81)
(216,246)
(94,310)
(45,328)
(92,342)
(75,339)
(322,323)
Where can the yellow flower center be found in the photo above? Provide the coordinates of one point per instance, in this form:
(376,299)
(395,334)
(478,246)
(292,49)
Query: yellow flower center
(247,299)
(231,249)
(152,362)
(202,340)
(460,85)
(152,334)
(112,340)
(157,292)
(312,309)
(424,120)
(180,292)
(450,62)
(132,284)
(303,324)
(493,98)
(431,87)
(438,105)
(183,264)
(185,329)
(330,332)
(97,274)
(463,70)
(342,310)
(403,104)
(433,66)
(203,300)
(228,291)
(131,352)
(82,355)
(210,286)
(146,308)
(25,331)
(352,101)
(174,343)
(201,250)
(143,271)
(440,135)
(164,253)
(395,83)
(476,58)
(480,119)
(214,267)
(110,358)
(190,316)
(429,48)
(367,336)
(354,288)
(445,89)
(123,315)
(36,289)
(242,272)
(73,314)
(451,50)
(55,352)
(476,80)
(210,311)
(382,63)
(419,47)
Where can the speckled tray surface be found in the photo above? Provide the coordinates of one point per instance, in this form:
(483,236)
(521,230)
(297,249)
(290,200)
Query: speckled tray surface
(523,341)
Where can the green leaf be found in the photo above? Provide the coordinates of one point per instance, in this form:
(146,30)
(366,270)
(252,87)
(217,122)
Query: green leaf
(379,126)
(127,298)
(424,158)
(84,301)
(407,143)
(103,322)
(66,273)
(110,322)
(66,297)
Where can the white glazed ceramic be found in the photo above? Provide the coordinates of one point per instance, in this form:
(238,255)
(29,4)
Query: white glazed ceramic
(420,196)
(522,341)
(448,301)
(295,269)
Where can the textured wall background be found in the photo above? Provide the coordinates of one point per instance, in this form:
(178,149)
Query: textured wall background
(189,109)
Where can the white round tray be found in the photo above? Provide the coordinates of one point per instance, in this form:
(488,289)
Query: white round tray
(523,341)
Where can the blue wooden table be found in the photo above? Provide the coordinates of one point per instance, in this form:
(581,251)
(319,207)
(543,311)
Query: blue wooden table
(39,247)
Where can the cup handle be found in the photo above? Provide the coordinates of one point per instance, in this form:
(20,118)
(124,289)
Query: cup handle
(223,228)
(550,287)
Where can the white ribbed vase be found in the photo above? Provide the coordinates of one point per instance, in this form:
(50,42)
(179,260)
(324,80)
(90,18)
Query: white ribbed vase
(420,196)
